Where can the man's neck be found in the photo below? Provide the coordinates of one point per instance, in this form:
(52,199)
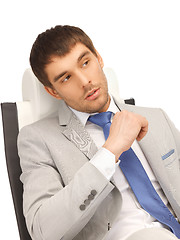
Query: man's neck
(106,106)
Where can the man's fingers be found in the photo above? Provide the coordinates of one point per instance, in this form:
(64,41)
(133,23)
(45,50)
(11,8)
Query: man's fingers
(144,129)
(125,128)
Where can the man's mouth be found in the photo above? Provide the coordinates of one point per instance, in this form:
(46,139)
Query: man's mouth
(92,95)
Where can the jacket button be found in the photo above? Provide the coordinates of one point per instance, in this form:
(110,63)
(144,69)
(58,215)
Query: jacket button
(91,197)
(82,207)
(87,202)
(93,192)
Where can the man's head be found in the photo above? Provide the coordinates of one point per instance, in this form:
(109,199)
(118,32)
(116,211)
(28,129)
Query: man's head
(66,62)
(57,41)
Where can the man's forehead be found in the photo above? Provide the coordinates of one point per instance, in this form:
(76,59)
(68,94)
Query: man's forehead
(76,51)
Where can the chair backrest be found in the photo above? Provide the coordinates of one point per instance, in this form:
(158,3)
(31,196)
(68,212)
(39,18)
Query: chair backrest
(11,130)
(36,104)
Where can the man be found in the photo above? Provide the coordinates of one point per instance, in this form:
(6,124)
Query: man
(73,185)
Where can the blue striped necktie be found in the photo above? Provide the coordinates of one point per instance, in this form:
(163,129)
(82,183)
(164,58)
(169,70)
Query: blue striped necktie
(138,180)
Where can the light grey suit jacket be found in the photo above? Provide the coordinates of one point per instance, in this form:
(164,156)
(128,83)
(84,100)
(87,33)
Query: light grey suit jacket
(65,196)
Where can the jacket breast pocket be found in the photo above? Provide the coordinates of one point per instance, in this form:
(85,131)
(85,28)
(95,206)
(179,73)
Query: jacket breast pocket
(169,157)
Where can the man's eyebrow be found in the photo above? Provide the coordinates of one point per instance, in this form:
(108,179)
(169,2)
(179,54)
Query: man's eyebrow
(59,76)
(82,55)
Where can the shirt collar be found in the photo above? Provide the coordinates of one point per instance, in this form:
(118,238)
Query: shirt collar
(112,106)
(83,116)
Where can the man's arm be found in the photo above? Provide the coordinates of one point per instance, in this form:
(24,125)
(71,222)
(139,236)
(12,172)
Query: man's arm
(52,210)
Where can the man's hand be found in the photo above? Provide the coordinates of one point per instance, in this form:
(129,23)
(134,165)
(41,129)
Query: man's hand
(125,128)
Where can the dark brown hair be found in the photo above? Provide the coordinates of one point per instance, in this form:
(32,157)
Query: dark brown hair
(57,41)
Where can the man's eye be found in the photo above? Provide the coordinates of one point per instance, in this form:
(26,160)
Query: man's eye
(66,79)
(85,63)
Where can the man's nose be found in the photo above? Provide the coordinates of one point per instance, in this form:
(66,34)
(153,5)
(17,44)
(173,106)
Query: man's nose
(83,79)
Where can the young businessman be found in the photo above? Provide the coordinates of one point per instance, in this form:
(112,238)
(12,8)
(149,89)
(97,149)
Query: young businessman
(73,185)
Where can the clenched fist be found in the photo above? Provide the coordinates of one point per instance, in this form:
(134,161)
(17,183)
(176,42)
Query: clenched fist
(125,128)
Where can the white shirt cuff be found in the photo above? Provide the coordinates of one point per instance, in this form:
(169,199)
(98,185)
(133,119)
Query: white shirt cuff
(104,161)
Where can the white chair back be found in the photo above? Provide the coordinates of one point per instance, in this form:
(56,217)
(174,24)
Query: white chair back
(37,103)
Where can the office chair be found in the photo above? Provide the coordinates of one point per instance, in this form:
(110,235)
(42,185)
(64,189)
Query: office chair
(36,105)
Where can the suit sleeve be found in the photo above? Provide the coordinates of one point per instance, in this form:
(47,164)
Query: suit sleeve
(52,210)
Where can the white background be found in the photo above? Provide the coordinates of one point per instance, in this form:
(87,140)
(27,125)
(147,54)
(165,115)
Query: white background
(140,39)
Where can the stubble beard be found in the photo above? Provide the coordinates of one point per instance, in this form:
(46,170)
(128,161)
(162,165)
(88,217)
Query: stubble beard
(99,107)
(95,107)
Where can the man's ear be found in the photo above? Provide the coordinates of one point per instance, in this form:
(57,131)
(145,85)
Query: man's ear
(52,92)
(100,60)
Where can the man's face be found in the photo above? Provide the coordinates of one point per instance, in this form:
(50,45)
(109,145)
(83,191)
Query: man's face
(79,80)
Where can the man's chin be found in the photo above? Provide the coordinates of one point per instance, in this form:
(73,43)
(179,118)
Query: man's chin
(102,107)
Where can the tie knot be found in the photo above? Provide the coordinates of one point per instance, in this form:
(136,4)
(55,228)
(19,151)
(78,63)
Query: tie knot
(101,119)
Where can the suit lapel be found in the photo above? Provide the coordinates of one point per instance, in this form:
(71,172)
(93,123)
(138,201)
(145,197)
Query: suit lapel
(73,129)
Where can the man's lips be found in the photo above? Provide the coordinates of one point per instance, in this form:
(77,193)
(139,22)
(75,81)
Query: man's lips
(93,94)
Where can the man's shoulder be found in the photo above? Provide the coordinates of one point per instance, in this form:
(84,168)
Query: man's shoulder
(139,109)
(41,126)
(152,114)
